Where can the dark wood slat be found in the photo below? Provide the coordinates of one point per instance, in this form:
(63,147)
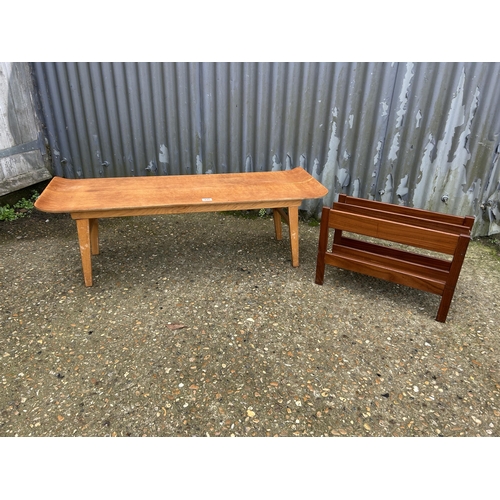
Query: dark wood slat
(413,212)
(407,264)
(417,258)
(406,234)
(387,273)
(403,218)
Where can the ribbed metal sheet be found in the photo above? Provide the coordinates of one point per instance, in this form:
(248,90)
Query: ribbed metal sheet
(419,134)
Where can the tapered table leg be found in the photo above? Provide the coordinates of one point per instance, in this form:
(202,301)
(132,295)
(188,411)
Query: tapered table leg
(293,224)
(94,236)
(277,224)
(83,228)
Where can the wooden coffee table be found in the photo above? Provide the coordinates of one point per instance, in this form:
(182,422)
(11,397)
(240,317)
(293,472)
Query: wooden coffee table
(88,200)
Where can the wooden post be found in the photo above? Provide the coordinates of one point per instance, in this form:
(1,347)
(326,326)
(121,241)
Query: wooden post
(322,244)
(94,236)
(456,265)
(277,224)
(293,225)
(83,228)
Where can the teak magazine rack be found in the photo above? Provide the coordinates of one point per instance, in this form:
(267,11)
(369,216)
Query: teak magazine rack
(442,233)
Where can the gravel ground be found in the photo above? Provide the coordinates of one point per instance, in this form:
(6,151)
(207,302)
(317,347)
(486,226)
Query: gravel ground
(197,325)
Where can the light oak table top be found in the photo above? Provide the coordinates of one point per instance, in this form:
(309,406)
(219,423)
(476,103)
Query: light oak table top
(207,192)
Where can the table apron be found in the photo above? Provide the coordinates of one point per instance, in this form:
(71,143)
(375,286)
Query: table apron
(182,209)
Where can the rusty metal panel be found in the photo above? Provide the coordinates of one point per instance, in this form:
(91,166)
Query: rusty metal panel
(419,134)
(441,148)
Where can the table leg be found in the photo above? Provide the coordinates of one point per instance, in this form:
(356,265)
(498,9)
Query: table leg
(293,225)
(83,228)
(94,236)
(277,223)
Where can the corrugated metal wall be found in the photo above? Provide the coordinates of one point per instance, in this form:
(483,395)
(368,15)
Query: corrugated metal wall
(420,134)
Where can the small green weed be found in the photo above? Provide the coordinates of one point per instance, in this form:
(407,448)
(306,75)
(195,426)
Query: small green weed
(7,213)
(20,209)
